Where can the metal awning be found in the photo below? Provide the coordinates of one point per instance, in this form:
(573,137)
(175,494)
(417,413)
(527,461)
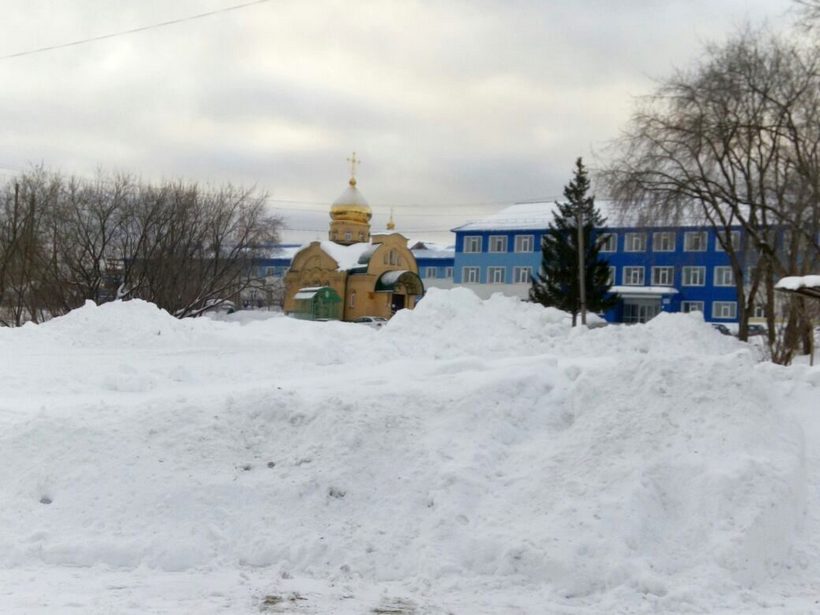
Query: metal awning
(807,285)
(643,292)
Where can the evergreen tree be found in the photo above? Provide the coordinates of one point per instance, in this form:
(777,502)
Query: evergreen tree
(556,284)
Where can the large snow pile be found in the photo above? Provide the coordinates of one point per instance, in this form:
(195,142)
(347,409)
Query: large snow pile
(471,457)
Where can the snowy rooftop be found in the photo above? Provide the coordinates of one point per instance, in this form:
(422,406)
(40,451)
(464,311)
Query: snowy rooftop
(430,249)
(521,216)
(347,256)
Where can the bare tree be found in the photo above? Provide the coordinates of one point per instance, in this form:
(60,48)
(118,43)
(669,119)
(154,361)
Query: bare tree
(735,142)
(64,241)
(193,249)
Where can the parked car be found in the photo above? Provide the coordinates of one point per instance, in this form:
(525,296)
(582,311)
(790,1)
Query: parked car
(372,321)
(722,329)
(757,330)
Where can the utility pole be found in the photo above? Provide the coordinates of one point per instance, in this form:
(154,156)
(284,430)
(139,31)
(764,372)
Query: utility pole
(582,289)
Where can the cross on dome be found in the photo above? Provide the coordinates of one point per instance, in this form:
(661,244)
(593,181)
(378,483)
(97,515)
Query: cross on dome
(353,162)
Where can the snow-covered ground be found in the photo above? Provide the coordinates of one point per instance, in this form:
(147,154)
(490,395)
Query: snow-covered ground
(472,457)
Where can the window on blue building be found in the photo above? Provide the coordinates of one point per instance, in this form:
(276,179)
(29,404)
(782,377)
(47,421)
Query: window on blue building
(724,309)
(472,243)
(663,276)
(521,275)
(633,276)
(469,275)
(635,242)
(523,243)
(693,276)
(495,275)
(663,241)
(724,276)
(448,272)
(498,243)
(430,272)
(734,240)
(609,242)
(694,241)
(691,306)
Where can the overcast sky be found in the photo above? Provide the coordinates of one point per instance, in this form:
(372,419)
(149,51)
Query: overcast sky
(456,108)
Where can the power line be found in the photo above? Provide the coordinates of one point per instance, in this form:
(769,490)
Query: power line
(102,37)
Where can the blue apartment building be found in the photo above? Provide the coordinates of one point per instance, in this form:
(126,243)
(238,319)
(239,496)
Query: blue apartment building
(653,269)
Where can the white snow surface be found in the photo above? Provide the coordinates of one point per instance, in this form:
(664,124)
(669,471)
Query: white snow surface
(797,282)
(471,457)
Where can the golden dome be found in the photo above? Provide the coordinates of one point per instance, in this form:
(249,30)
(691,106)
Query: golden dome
(351,205)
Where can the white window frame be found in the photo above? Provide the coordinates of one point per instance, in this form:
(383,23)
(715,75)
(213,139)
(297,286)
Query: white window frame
(691,306)
(723,275)
(496,272)
(724,310)
(497,244)
(522,275)
(431,272)
(631,272)
(472,244)
(609,243)
(663,237)
(688,270)
(656,274)
(448,272)
(689,238)
(631,239)
(524,243)
(734,237)
(470,275)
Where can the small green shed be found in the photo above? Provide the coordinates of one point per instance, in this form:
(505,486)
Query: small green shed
(317,303)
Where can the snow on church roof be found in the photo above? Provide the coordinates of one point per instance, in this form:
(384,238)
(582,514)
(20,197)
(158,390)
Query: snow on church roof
(522,216)
(347,256)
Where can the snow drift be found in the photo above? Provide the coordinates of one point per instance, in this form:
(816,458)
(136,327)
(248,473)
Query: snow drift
(469,444)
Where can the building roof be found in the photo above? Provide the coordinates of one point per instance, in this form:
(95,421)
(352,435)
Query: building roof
(347,257)
(429,249)
(523,216)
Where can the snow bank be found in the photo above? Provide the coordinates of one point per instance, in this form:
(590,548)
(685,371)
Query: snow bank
(469,446)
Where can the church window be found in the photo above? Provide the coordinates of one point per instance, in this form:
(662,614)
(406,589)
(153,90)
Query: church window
(361,236)
(394,257)
(348,236)
(353,299)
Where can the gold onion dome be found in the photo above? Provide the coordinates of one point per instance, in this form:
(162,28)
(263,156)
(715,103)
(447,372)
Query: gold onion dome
(351,205)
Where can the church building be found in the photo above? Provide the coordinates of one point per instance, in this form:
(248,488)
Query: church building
(372,275)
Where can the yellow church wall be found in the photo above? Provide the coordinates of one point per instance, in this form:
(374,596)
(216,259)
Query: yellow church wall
(312,267)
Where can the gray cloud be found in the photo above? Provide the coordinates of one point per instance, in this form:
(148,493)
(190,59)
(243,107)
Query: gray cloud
(454,107)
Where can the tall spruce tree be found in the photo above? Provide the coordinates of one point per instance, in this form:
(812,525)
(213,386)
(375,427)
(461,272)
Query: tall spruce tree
(556,285)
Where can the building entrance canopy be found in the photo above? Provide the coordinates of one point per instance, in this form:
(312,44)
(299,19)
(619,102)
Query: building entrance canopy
(389,281)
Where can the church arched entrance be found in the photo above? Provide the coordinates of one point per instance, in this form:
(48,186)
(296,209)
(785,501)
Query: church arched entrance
(405,288)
